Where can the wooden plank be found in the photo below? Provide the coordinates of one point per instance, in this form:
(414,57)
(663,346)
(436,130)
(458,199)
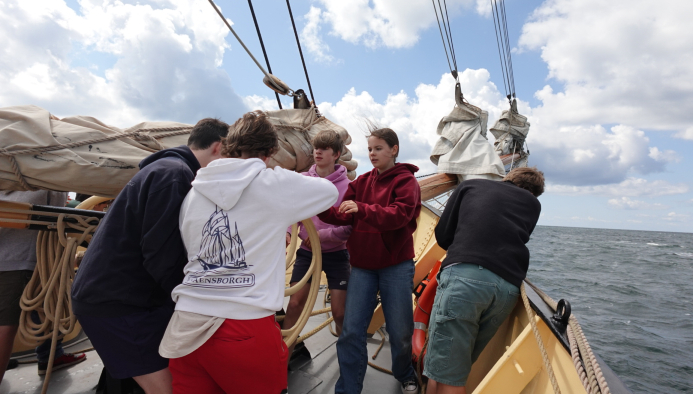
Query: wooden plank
(436,185)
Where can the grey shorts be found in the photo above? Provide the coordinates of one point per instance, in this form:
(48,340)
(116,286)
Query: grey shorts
(470,304)
(12,284)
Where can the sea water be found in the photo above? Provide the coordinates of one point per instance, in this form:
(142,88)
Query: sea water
(632,292)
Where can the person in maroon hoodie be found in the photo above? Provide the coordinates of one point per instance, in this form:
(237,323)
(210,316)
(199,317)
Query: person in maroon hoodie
(382,206)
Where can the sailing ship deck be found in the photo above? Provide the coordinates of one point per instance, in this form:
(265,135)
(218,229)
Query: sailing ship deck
(316,376)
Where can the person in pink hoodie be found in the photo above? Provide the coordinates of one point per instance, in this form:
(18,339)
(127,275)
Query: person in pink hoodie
(335,257)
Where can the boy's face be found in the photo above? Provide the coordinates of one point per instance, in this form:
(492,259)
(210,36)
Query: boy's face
(325,157)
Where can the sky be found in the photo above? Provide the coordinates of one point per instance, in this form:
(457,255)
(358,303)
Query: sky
(607,85)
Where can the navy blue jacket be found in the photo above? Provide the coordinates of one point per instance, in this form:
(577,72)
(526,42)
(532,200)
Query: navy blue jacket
(137,256)
(488,223)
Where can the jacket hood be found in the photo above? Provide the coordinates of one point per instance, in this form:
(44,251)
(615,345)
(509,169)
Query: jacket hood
(398,169)
(180,152)
(340,173)
(223,181)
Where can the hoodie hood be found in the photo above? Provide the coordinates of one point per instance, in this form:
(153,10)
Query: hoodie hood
(224,180)
(180,152)
(398,169)
(339,174)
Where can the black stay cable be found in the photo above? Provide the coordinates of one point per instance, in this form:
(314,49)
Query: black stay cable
(445,47)
(449,29)
(507,49)
(262,44)
(500,24)
(298,42)
(501,51)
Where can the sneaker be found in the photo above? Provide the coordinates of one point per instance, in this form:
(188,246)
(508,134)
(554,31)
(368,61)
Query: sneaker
(410,387)
(61,362)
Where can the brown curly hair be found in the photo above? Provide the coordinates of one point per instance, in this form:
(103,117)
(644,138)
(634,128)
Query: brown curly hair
(253,134)
(528,178)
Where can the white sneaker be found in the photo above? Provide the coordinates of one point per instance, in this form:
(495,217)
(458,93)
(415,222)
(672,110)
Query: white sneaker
(410,387)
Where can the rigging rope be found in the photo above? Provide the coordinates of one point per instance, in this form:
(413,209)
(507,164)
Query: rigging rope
(447,37)
(271,79)
(298,42)
(262,44)
(500,24)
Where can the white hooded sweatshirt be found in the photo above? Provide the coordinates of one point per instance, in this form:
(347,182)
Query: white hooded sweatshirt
(233,223)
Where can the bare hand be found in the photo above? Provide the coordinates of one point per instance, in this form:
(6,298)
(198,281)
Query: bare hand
(306,243)
(348,207)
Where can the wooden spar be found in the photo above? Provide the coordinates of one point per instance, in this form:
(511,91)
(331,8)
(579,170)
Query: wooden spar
(436,185)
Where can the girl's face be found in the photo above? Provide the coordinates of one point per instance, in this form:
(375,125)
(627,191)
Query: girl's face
(381,155)
(324,158)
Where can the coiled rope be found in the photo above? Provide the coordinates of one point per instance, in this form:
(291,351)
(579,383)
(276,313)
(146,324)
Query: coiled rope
(48,291)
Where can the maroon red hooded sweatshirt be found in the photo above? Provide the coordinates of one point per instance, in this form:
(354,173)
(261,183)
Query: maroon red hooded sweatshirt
(388,205)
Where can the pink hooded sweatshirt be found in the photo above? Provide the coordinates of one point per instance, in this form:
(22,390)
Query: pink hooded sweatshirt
(332,237)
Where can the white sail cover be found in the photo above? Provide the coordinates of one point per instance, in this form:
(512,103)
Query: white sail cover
(510,131)
(463,148)
(82,154)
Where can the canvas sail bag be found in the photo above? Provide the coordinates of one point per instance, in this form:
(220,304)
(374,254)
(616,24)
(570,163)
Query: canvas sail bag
(83,155)
(510,131)
(463,148)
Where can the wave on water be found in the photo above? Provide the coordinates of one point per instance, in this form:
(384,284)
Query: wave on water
(684,254)
(654,244)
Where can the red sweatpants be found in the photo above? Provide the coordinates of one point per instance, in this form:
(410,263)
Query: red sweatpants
(243,356)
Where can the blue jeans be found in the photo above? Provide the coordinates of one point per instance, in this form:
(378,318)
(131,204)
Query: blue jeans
(43,351)
(395,286)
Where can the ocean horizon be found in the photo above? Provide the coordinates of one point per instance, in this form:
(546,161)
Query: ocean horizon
(631,292)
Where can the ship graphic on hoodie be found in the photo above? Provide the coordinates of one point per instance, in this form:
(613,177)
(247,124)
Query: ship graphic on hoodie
(219,249)
(221,255)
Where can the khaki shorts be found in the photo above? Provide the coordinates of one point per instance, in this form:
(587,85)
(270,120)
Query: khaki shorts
(12,284)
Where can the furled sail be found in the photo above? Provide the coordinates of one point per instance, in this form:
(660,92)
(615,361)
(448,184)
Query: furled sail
(81,154)
(463,148)
(511,130)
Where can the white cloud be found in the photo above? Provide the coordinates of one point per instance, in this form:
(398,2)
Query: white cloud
(312,39)
(623,61)
(591,154)
(676,217)
(631,187)
(686,134)
(667,156)
(627,203)
(262,103)
(392,23)
(165,63)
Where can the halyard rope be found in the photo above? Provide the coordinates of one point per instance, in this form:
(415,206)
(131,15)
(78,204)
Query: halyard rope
(270,77)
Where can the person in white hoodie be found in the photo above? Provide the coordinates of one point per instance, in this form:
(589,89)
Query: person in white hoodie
(223,337)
